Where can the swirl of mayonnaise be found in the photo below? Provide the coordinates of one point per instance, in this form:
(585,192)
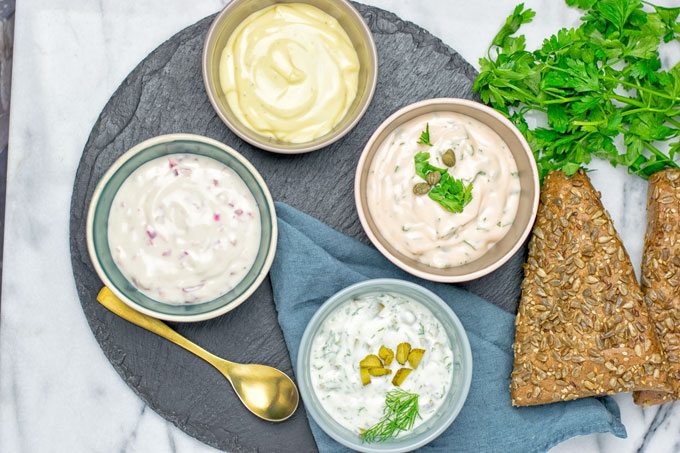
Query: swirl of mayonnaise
(289,72)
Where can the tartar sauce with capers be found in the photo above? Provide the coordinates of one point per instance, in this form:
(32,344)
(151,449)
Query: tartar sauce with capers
(358,328)
(419,227)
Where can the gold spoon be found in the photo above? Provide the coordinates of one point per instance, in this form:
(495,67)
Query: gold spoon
(265,391)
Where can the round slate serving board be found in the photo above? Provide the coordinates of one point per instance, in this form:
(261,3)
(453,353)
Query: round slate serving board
(165,94)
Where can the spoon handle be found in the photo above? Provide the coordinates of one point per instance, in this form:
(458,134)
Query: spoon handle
(117,306)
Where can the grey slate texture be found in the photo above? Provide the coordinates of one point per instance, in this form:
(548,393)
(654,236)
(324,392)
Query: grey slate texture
(165,94)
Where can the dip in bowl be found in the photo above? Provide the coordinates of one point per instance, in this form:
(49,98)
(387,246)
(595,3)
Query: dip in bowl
(447,189)
(290,77)
(182,228)
(365,320)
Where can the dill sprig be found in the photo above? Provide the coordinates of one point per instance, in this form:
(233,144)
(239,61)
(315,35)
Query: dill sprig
(400,413)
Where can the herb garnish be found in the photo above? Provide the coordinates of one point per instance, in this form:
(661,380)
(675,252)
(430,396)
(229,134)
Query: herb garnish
(595,82)
(423,166)
(401,410)
(425,136)
(451,193)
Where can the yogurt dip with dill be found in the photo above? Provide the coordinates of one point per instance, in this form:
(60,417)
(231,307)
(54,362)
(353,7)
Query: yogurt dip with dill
(419,227)
(359,327)
(184,228)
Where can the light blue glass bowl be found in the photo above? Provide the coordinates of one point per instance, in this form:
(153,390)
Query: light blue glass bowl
(100,206)
(454,400)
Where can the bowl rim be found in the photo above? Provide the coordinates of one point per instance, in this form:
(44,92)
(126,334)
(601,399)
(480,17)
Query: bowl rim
(373,236)
(306,147)
(333,303)
(139,148)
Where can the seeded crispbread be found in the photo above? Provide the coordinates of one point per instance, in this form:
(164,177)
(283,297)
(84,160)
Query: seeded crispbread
(582,328)
(661,275)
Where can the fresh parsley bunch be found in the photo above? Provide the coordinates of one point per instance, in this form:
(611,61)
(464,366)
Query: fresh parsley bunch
(594,83)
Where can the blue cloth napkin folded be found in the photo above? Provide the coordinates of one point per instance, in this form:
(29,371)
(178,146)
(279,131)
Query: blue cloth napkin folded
(313,262)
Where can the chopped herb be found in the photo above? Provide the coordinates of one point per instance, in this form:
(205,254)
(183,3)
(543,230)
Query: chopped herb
(470,245)
(423,166)
(425,136)
(451,193)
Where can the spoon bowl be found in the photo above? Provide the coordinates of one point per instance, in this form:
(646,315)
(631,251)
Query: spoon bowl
(265,391)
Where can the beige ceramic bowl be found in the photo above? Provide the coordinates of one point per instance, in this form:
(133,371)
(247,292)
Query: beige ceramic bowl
(526,211)
(234,13)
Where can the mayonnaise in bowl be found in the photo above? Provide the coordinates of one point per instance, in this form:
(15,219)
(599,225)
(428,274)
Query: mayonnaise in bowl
(289,72)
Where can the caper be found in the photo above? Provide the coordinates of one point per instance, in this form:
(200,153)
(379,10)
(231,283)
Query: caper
(421,188)
(433,177)
(449,158)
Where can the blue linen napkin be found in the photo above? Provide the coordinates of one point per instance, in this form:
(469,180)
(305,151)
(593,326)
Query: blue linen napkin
(313,262)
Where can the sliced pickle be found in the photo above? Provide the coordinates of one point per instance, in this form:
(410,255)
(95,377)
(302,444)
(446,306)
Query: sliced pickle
(400,377)
(371,361)
(415,356)
(402,352)
(379,371)
(365,376)
(386,354)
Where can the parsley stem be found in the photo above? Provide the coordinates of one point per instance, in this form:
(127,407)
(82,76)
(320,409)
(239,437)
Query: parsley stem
(561,100)
(589,123)
(660,155)
(673,122)
(627,100)
(650,109)
(524,93)
(643,89)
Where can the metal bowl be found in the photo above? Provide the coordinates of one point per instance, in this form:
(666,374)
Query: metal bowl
(348,17)
(503,250)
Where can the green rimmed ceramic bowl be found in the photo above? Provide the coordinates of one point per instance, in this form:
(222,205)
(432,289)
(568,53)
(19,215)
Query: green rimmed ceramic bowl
(100,206)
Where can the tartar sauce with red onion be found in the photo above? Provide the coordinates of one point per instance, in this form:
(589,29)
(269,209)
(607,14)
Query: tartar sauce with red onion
(184,229)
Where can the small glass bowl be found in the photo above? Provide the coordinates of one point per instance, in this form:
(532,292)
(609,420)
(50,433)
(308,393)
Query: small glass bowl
(454,400)
(100,206)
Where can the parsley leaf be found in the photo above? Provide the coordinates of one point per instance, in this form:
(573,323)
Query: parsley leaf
(451,193)
(518,17)
(595,83)
(423,166)
(425,136)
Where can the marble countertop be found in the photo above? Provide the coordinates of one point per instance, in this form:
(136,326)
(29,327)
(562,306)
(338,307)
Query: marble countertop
(57,390)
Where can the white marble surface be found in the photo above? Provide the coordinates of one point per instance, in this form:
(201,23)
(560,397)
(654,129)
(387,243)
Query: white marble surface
(57,391)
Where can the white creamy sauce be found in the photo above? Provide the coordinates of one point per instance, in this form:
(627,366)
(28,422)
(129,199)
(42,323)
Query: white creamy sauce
(290,72)
(358,328)
(184,229)
(419,227)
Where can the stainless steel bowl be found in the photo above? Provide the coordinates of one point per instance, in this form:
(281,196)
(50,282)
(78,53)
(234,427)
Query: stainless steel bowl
(234,13)
(503,250)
